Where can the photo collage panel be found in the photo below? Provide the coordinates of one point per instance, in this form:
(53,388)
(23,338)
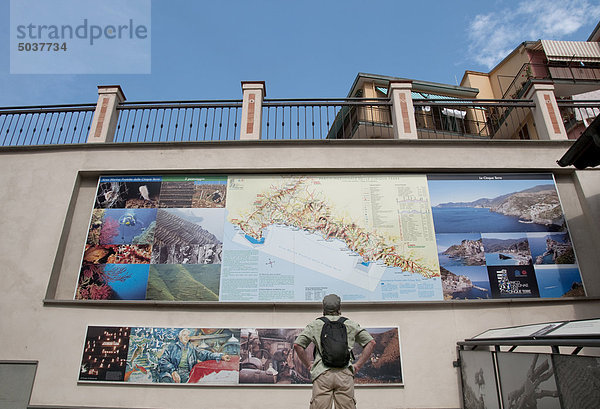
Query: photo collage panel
(155,238)
(223,356)
(278,238)
(502,236)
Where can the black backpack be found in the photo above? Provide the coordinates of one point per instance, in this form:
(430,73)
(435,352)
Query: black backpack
(334,343)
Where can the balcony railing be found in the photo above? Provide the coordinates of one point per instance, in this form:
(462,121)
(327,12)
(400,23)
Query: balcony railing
(288,119)
(577,115)
(45,125)
(472,119)
(529,71)
(178,121)
(349,118)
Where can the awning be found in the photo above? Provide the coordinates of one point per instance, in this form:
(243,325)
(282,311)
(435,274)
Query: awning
(571,50)
(424,95)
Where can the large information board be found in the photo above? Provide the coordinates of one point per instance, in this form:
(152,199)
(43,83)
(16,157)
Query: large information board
(278,238)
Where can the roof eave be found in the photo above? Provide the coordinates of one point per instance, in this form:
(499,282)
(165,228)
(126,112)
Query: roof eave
(418,85)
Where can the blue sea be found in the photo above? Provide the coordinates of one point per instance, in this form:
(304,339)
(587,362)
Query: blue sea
(493,259)
(448,261)
(475,293)
(472,219)
(537,245)
(131,223)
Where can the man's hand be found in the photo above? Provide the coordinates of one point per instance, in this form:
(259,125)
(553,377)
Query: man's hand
(364,355)
(301,353)
(176,377)
(226,358)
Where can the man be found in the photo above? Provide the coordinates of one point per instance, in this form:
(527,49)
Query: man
(332,384)
(179,358)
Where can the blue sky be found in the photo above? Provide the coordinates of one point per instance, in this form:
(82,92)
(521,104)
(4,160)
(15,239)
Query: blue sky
(446,191)
(309,49)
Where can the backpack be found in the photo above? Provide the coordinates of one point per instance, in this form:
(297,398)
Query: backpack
(334,343)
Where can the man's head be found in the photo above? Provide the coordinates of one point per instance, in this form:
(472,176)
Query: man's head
(331,305)
(184,336)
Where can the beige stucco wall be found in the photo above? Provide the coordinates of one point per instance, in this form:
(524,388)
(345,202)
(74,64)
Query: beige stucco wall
(478,80)
(37,187)
(502,75)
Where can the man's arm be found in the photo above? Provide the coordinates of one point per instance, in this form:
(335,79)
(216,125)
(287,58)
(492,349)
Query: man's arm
(365,354)
(301,353)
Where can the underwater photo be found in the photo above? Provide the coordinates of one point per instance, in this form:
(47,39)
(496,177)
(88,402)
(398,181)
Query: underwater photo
(112,282)
(127,226)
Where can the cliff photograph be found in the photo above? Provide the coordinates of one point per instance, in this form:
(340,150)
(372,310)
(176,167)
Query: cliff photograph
(465,283)
(503,249)
(498,203)
(461,249)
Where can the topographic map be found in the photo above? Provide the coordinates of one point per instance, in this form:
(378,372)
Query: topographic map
(297,238)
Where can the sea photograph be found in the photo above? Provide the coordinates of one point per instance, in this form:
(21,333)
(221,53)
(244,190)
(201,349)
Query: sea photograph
(559,281)
(112,282)
(498,203)
(133,287)
(551,248)
(460,249)
(465,282)
(506,249)
(127,226)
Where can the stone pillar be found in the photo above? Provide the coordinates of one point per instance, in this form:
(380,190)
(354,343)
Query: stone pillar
(403,112)
(104,123)
(548,122)
(253,95)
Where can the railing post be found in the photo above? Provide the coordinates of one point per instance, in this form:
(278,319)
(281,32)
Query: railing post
(106,115)
(253,95)
(403,112)
(546,115)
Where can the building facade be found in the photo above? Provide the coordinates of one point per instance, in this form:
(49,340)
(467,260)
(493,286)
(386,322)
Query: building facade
(389,129)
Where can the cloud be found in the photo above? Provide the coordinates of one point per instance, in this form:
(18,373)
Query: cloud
(492,36)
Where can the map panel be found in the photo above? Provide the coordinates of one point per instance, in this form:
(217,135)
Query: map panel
(297,238)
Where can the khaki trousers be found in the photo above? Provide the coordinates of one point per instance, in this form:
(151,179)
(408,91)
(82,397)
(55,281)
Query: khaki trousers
(333,385)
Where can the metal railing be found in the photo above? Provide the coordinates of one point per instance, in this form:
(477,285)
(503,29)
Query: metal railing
(345,118)
(472,119)
(287,119)
(578,115)
(178,121)
(567,71)
(45,125)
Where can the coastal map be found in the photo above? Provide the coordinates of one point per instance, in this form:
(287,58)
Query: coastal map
(301,237)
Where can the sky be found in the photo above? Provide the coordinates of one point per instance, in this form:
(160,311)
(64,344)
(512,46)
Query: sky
(307,49)
(447,191)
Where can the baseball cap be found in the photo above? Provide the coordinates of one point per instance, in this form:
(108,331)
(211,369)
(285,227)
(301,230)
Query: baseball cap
(331,303)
